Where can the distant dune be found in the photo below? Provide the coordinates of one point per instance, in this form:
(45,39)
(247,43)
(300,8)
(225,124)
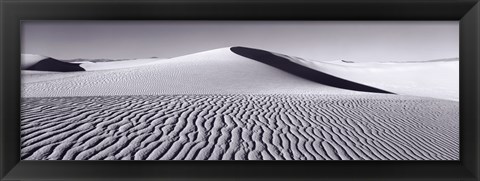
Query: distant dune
(50,64)
(28,60)
(43,63)
(239,127)
(238,103)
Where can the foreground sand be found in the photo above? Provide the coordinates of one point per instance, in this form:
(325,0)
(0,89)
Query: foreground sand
(239,127)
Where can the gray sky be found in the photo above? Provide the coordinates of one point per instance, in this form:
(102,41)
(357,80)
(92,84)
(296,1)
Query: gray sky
(317,40)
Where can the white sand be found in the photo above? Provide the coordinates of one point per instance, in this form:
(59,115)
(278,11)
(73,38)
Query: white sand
(217,105)
(92,66)
(239,127)
(436,79)
(231,73)
(217,71)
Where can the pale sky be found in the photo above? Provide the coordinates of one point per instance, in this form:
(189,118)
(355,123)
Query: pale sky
(317,40)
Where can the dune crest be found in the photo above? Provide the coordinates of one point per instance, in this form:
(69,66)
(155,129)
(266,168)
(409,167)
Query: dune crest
(302,71)
(28,60)
(218,71)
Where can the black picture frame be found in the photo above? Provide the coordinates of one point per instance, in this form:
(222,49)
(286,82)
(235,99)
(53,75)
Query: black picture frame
(15,11)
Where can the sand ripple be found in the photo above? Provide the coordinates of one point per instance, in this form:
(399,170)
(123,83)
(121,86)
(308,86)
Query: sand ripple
(239,127)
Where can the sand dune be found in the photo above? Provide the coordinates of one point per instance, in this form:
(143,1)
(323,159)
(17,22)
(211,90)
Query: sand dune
(218,71)
(220,105)
(92,66)
(42,63)
(239,127)
(435,78)
(302,71)
(30,59)
(51,64)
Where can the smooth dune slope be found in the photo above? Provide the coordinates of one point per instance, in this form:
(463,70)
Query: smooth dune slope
(302,71)
(218,71)
(92,66)
(239,127)
(435,78)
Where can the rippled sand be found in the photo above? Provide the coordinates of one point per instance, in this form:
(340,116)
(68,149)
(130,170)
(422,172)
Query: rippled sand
(239,127)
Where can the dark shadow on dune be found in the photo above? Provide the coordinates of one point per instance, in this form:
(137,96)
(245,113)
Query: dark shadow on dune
(302,71)
(55,65)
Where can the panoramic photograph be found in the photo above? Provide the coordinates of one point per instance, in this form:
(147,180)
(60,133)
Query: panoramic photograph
(239,90)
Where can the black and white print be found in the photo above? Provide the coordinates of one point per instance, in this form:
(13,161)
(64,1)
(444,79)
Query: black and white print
(240,90)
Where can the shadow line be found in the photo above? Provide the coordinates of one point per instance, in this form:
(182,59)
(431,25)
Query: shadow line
(55,65)
(302,71)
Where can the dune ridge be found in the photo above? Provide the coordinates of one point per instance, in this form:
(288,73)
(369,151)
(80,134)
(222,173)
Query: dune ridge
(218,71)
(239,127)
(302,71)
(242,65)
